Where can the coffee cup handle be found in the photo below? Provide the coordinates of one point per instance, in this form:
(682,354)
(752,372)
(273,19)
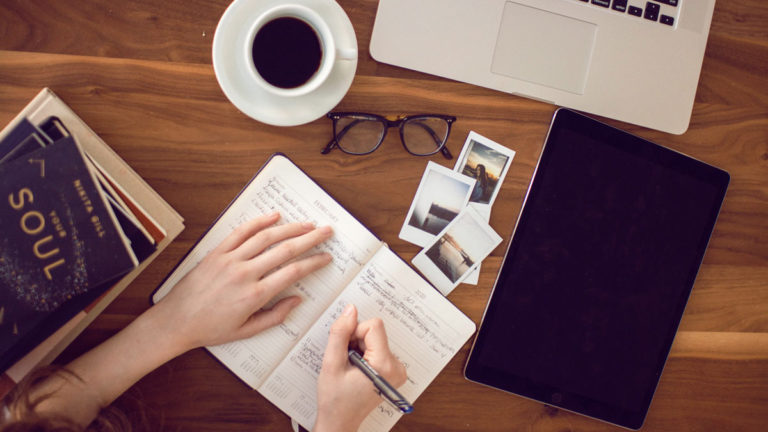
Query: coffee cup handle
(347,53)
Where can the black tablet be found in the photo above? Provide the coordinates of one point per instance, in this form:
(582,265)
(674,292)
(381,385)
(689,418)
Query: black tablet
(594,282)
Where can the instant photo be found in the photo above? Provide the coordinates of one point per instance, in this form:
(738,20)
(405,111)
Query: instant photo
(441,196)
(474,276)
(457,251)
(487,162)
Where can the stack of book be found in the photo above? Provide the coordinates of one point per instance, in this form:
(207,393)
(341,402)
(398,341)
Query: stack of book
(78,226)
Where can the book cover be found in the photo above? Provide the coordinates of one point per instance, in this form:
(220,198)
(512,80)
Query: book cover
(157,217)
(60,246)
(22,139)
(25,138)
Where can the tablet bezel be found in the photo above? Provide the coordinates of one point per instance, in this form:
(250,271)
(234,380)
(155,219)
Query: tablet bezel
(558,397)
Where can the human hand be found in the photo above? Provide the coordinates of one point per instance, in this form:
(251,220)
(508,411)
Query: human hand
(345,395)
(220,300)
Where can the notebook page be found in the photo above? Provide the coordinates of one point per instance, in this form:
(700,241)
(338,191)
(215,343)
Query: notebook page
(424,330)
(283,186)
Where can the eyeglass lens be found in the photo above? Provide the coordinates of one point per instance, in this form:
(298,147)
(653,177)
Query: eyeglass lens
(424,135)
(359,135)
(420,135)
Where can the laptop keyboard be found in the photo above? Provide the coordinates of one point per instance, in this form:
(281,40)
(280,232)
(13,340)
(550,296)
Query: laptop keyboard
(659,11)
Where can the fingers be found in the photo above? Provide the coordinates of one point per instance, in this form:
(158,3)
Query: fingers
(372,339)
(290,248)
(267,318)
(335,358)
(254,258)
(255,236)
(291,273)
(262,240)
(246,231)
(371,336)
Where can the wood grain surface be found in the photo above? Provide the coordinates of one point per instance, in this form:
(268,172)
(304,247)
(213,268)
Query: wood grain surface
(140,74)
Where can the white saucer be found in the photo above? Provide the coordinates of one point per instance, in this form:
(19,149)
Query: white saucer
(232,71)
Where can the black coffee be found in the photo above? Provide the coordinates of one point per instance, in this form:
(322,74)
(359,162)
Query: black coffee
(286,52)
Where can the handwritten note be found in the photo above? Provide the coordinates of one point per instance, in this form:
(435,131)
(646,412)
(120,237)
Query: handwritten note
(282,187)
(425,331)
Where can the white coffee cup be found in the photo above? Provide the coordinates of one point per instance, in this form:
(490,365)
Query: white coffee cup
(330,53)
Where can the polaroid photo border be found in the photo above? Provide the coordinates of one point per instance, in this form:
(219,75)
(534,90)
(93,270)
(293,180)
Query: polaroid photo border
(474,142)
(488,163)
(441,196)
(457,250)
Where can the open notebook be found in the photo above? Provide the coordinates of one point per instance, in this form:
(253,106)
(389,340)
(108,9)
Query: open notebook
(425,330)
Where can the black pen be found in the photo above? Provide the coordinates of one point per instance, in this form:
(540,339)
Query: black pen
(384,388)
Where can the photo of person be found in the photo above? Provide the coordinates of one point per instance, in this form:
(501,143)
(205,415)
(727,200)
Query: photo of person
(487,162)
(442,194)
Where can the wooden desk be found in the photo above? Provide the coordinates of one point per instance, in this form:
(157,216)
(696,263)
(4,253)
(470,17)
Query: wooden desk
(139,73)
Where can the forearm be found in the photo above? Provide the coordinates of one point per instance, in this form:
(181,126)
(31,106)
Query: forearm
(220,300)
(111,368)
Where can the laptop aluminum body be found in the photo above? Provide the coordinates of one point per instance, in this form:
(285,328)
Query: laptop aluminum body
(631,60)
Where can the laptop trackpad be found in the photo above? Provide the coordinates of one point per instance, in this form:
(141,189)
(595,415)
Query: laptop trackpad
(544,48)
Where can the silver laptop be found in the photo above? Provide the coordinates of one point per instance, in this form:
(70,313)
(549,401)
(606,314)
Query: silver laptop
(631,60)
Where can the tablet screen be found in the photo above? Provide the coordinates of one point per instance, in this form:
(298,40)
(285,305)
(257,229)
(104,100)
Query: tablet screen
(598,272)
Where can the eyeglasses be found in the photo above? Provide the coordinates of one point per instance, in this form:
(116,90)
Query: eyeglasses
(361,133)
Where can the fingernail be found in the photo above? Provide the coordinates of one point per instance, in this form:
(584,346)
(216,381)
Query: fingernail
(308,225)
(348,309)
(327,230)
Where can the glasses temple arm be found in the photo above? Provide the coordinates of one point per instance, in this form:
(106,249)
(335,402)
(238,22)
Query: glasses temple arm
(331,144)
(446,153)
